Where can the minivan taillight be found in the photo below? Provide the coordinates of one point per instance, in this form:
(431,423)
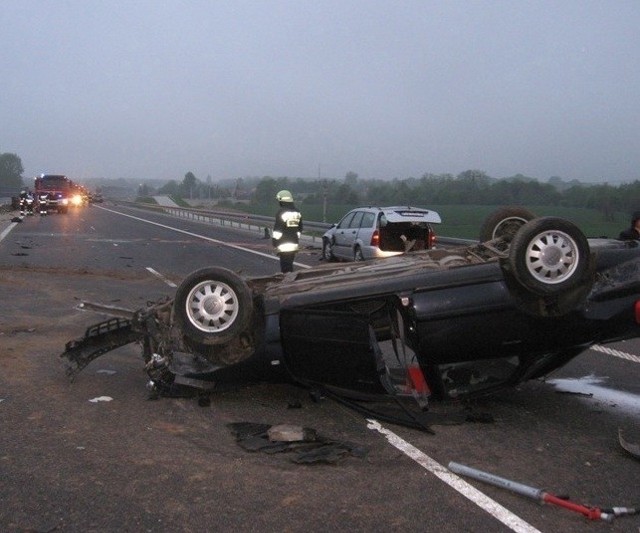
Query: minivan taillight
(638,312)
(431,237)
(375,238)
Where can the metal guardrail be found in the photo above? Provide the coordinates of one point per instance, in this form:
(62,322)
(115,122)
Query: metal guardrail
(259,223)
(255,223)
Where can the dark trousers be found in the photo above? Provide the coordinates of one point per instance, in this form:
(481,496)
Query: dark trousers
(286,261)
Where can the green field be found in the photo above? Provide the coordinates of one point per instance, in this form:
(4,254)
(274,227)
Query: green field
(464,221)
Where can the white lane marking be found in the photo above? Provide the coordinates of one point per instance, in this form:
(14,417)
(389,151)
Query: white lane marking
(483,501)
(616,353)
(7,230)
(157,274)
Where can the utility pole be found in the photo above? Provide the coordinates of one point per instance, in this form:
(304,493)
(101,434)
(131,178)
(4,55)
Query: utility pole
(325,190)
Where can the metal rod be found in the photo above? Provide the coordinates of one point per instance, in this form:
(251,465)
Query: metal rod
(497,481)
(593,513)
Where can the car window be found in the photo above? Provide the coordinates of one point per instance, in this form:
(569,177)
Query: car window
(368,220)
(355,222)
(344,223)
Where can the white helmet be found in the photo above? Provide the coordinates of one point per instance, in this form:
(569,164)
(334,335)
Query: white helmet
(284,196)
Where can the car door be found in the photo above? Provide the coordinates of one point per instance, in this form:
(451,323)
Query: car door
(345,235)
(351,235)
(339,235)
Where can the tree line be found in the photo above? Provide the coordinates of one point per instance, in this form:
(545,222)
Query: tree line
(471,187)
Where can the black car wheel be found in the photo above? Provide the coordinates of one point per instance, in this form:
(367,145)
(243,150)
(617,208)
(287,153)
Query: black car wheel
(549,255)
(213,305)
(504,223)
(357,254)
(327,250)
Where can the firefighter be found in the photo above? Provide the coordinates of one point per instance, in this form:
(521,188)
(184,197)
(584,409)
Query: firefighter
(286,230)
(26,202)
(43,203)
(23,201)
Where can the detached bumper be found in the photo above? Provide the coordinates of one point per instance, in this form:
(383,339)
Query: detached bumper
(98,340)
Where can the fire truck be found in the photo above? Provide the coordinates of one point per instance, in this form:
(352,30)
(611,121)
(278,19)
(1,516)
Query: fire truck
(59,188)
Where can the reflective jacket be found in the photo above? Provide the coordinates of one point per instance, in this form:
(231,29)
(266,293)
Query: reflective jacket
(287,228)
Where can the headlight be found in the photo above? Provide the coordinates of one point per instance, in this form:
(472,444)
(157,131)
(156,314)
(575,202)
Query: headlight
(77,199)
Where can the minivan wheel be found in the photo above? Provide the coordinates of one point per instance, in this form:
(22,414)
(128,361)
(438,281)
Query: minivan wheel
(549,255)
(213,305)
(357,254)
(504,223)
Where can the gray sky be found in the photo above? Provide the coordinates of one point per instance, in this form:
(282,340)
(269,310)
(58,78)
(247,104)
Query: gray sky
(153,89)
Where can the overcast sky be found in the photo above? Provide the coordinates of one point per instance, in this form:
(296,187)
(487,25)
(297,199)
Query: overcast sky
(153,89)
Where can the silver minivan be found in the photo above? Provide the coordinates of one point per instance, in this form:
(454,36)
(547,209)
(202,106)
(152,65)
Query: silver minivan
(379,232)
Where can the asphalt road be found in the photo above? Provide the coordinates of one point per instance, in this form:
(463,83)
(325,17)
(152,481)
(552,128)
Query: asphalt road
(68,463)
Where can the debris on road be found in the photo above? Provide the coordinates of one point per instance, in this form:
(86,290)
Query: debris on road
(290,433)
(310,447)
(101,399)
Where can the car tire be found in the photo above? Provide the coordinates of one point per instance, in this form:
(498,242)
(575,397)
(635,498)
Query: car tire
(504,223)
(212,306)
(549,256)
(327,250)
(357,254)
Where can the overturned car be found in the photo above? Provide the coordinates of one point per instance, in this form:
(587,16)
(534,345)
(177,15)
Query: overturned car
(453,323)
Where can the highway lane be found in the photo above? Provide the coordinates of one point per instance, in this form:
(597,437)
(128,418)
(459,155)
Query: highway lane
(566,443)
(119,238)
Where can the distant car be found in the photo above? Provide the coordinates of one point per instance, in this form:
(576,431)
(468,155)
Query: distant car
(379,232)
